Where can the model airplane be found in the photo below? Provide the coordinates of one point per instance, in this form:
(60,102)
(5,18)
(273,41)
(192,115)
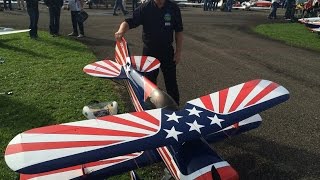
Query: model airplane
(5,31)
(253,5)
(159,130)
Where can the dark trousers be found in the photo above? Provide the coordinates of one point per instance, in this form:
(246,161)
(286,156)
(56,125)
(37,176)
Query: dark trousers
(134,4)
(34,17)
(54,13)
(168,68)
(75,23)
(289,14)
(273,13)
(5,2)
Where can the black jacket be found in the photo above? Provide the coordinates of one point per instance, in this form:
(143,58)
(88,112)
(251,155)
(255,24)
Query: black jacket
(32,4)
(54,3)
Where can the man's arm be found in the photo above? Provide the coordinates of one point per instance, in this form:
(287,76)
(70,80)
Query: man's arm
(178,39)
(124,27)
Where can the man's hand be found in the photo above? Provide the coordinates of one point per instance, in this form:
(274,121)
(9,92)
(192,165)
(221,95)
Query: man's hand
(177,57)
(118,35)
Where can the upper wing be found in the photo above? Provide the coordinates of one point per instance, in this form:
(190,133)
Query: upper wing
(55,147)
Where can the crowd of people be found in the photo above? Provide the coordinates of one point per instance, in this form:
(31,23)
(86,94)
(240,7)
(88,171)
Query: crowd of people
(158,36)
(54,9)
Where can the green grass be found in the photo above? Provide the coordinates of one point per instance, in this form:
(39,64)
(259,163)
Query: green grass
(48,85)
(293,34)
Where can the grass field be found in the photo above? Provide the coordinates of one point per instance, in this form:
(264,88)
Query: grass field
(47,83)
(293,34)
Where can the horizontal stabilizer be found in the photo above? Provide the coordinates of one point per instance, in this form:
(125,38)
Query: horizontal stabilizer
(60,146)
(144,63)
(105,69)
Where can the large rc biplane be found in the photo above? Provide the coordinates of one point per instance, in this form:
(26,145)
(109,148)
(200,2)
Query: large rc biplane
(158,131)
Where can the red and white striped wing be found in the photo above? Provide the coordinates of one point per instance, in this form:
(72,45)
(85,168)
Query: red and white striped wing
(104,69)
(80,170)
(144,63)
(58,141)
(121,51)
(241,96)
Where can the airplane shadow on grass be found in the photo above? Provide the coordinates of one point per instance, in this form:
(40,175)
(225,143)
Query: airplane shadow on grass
(17,117)
(3,45)
(257,158)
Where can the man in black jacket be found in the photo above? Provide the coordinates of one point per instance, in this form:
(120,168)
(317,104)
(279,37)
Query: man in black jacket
(162,24)
(33,11)
(54,12)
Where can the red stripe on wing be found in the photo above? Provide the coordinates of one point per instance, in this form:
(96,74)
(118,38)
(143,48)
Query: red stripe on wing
(147,117)
(65,129)
(120,52)
(143,61)
(152,65)
(126,122)
(207,102)
(245,91)
(24,147)
(91,71)
(222,99)
(263,93)
(110,63)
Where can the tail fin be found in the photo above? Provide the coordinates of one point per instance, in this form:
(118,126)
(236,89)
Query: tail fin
(121,51)
(139,63)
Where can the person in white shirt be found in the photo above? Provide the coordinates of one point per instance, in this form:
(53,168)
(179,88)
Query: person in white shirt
(75,7)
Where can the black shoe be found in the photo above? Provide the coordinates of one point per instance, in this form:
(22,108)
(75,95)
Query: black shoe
(115,14)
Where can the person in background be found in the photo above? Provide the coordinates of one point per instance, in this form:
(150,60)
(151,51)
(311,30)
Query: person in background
(6,3)
(75,7)
(205,5)
(229,5)
(20,4)
(274,7)
(289,14)
(134,4)
(33,12)
(54,7)
(162,24)
(117,4)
